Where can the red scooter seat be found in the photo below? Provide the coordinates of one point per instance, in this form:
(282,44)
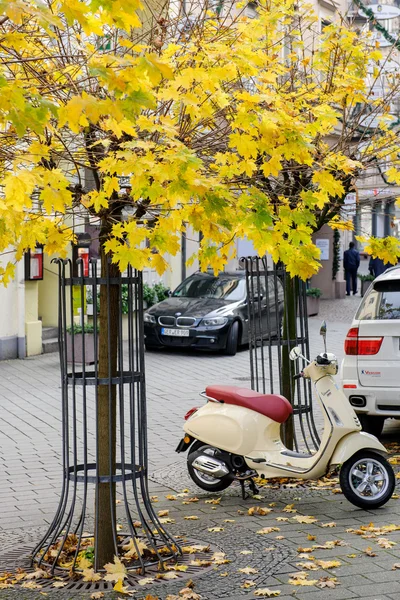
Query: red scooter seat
(273,406)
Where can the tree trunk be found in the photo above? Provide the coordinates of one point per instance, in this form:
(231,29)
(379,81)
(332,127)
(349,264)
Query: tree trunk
(289,333)
(106,409)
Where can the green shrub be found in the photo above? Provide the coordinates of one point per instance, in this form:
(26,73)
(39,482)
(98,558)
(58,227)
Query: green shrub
(314,292)
(87,328)
(368,277)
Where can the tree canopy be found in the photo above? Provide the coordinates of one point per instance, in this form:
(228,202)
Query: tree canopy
(234,126)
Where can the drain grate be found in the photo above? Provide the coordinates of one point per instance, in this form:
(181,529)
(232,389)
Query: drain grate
(19,558)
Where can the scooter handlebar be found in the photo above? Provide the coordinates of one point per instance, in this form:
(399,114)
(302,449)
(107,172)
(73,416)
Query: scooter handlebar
(298,376)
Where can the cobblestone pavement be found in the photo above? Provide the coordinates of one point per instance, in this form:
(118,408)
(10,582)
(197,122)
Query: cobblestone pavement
(30,476)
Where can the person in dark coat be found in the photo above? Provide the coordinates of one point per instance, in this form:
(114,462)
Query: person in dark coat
(351,262)
(377,266)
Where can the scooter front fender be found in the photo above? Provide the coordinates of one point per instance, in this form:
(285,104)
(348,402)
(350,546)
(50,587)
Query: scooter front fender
(353,443)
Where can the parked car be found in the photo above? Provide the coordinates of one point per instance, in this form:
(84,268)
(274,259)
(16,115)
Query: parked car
(371,367)
(211,312)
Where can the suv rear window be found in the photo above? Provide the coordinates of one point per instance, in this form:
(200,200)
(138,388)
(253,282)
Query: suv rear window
(384,304)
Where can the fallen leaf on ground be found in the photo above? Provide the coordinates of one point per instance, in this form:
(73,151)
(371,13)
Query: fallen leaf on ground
(146,581)
(258,497)
(154,498)
(163,513)
(396,566)
(246,552)
(38,574)
(215,529)
(304,519)
(134,547)
(267,593)
(122,589)
(328,564)
(213,501)
(385,543)
(195,548)
(309,566)
(182,568)
(283,519)
(301,578)
(199,562)
(289,508)
(191,518)
(280,537)
(116,571)
(229,521)
(168,575)
(258,510)
(327,582)
(59,584)
(248,571)
(248,584)
(219,558)
(267,530)
(165,520)
(170,497)
(311,538)
(332,524)
(369,552)
(31,585)
(190,500)
(97,595)
(224,574)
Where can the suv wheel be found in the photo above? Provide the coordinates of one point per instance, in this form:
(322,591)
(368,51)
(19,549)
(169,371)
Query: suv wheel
(370,424)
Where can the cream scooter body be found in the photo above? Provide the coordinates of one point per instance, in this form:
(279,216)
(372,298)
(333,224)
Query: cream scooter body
(246,433)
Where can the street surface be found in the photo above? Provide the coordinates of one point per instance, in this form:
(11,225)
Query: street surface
(30,473)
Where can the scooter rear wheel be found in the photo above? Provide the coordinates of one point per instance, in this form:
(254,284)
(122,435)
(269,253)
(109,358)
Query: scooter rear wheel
(367,480)
(202,480)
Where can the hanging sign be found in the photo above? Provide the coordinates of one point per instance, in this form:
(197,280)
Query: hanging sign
(382,41)
(381,11)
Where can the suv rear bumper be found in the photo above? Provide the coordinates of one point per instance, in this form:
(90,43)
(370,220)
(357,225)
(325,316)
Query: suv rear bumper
(383,402)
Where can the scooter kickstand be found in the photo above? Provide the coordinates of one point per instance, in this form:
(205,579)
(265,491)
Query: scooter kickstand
(254,489)
(244,493)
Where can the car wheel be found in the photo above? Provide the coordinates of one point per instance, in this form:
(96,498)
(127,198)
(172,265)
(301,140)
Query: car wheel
(367,480)
(370,424)
(149,347)
(233,340)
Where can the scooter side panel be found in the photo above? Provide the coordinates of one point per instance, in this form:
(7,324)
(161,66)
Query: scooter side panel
(352,443)
(228,427)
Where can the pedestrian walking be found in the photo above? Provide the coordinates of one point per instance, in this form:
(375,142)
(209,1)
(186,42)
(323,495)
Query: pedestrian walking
(351,262)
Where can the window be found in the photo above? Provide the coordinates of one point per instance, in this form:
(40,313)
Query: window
(203,286)
(380,305)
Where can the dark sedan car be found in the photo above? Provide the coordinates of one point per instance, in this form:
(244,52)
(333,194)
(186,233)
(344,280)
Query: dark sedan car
(211,312)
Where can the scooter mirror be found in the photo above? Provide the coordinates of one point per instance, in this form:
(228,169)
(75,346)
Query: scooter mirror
(295,353)
(322,331)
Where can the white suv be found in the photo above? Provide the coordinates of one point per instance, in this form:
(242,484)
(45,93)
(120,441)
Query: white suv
(370,371)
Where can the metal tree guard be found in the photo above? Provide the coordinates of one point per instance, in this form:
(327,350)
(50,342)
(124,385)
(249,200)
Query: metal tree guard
(80,439)
(267,287)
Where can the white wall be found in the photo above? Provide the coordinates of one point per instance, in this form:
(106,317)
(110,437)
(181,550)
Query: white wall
(8,307)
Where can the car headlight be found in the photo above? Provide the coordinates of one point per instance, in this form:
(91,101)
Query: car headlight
(215,321)
(149,318)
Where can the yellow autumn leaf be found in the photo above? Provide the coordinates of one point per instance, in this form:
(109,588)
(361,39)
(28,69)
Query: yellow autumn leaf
(116,571)
(267,593)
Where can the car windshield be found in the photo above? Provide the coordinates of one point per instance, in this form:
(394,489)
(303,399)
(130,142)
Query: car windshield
(226,288)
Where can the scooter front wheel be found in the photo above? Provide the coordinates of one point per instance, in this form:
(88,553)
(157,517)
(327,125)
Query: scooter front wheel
(203,480)
(367,480)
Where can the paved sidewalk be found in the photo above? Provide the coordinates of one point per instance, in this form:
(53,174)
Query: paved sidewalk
(30,475)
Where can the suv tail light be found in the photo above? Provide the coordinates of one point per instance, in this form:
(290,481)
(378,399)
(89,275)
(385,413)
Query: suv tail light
(190,413)
(361,346)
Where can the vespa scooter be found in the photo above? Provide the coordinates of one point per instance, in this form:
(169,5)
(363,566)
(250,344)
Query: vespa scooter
(236,436)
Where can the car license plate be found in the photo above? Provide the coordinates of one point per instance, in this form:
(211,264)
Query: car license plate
(175,332)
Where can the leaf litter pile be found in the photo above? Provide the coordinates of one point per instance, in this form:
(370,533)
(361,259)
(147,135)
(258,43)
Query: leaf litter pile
(123,573)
